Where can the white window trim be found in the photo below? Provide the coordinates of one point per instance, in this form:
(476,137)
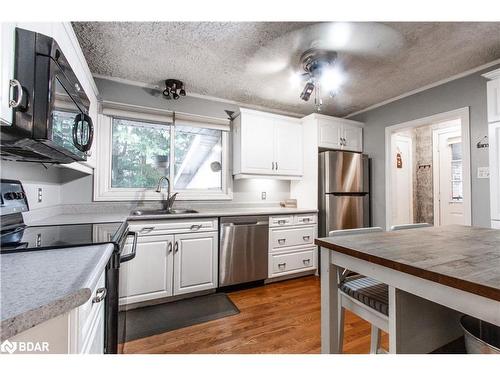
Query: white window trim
(102,173)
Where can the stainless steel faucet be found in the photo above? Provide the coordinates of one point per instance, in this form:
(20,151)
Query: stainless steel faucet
(169,202)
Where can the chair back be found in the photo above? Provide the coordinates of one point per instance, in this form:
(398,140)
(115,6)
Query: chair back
(410,226)
(345,232)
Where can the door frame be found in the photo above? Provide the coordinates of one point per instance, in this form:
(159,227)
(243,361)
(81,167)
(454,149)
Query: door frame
(410,161)
(436,132)
(463,115)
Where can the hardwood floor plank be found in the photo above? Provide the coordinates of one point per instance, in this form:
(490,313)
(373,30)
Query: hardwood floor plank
(283,317)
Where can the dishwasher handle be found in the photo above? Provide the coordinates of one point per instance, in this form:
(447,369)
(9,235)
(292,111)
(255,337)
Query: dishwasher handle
(253,223)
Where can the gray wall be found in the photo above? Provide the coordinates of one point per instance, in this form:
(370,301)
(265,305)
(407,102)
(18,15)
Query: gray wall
(469,91)
(128,94)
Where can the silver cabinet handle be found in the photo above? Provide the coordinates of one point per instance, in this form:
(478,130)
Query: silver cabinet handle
(306,220)
(169,247)
(281,222)
(196,227)
(272,165)
(14,83)
(100,294)
(281,241)
(280,265)
(276,165)
(306,238)
(147,229)
(176,247)
(306,261)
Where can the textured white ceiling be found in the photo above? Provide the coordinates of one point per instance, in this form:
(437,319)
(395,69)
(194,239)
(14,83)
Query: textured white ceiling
(243,61)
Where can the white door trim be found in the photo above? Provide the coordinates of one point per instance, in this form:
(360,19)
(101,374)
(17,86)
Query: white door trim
(410,163)
(436,132)
(463,115)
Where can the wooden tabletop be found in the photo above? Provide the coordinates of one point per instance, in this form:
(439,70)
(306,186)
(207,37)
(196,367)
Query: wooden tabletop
(462,257)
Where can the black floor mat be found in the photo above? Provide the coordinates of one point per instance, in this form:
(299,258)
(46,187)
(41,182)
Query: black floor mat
(153,320)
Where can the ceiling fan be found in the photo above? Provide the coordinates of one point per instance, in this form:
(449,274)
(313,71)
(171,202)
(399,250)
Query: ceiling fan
(317,54)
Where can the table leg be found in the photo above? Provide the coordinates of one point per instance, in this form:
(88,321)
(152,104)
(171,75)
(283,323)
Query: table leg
(329,305)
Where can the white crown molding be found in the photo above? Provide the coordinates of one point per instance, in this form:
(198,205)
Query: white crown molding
(201,96)
(427,87)
(492,75)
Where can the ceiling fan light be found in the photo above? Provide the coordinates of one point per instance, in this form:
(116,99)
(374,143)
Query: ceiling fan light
(331,78)
(166,93)
(308,90)
(182,92)
(175,96)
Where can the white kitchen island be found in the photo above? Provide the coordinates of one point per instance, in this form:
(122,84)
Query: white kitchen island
(434,276)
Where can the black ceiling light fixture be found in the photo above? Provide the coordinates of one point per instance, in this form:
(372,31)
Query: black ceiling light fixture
(174,89)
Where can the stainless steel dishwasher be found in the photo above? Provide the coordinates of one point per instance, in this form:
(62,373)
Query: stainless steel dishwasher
(243,249)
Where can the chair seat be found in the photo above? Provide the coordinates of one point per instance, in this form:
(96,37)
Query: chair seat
(368,291)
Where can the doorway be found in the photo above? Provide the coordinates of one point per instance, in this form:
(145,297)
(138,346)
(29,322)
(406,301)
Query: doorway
(428,170)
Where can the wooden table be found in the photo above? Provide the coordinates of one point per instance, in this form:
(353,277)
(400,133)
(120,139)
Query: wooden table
(434,275)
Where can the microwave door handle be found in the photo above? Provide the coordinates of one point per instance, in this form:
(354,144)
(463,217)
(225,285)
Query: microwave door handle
(80,120)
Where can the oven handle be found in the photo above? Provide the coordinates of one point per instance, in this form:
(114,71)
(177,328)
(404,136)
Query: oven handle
(131,255)
(83,118)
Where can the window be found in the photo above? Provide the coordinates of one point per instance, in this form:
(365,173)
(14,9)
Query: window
(134,153)
(140,153)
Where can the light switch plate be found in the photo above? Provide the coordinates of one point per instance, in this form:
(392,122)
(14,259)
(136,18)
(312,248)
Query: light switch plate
(483,172)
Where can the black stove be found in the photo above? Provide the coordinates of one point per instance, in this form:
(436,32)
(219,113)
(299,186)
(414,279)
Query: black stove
(18,237)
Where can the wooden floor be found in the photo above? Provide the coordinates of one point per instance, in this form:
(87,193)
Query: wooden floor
(283,317)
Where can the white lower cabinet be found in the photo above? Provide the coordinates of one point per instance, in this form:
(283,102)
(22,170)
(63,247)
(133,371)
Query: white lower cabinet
(291,244)
(149,275)
(172,258)
(79,331)
(195,262)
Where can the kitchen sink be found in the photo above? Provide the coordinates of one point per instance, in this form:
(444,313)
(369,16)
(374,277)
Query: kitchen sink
(163,212)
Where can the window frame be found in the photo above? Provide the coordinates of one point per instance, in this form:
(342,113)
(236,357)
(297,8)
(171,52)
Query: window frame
(103,191)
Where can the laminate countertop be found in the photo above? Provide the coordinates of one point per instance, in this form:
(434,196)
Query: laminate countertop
(103,217)
(461,257)
(39,285)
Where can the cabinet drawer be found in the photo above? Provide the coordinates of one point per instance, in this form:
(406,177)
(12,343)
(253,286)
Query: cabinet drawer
(286,237)
(296,261)
(305,219)
(87,313)
(151,228)
(279,221)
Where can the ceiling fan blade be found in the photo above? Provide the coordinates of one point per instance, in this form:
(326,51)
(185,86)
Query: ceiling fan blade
(364,39)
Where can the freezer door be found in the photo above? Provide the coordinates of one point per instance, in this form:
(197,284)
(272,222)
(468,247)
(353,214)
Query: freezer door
(346,212)
(342,171)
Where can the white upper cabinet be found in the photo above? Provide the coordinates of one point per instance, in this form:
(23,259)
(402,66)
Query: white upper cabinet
(494,100)
(7,70)
(265,144)
(288,147)
(339,134)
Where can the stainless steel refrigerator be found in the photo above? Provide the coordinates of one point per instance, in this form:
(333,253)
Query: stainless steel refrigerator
(344,191)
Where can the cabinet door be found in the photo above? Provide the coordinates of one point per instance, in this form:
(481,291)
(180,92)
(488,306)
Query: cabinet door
(7,35)
(195,262)
(149,275)
(329,133)
(493,88)
(494,155)
(94,343)
(288,148)
(353,137)
(257,144)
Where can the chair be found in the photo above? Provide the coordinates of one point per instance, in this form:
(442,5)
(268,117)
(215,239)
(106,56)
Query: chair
(410,226)
(364,296)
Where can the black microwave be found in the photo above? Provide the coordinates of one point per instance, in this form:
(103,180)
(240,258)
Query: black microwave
(51,121)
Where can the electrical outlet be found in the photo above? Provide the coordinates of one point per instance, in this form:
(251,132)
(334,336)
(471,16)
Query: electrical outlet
(263,196)
(39,195)
(483,172)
